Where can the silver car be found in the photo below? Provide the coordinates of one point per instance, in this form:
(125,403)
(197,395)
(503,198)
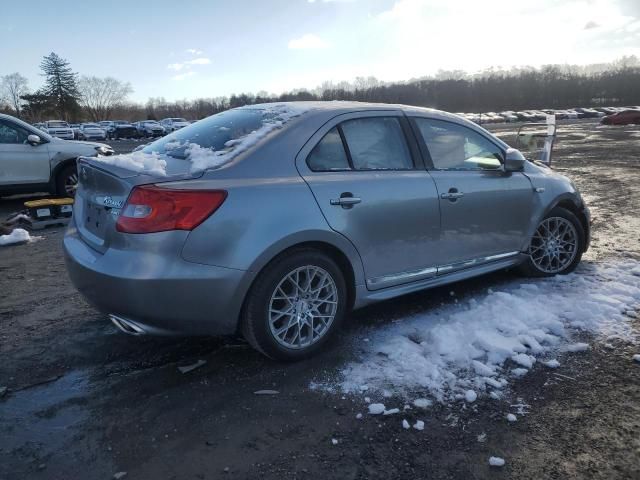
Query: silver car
(333,209)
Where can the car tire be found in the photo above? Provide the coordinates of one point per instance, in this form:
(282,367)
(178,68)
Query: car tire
(67,180)
(556,246)
(274,292)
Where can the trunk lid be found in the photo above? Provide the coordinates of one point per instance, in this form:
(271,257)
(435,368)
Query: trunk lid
(103,190)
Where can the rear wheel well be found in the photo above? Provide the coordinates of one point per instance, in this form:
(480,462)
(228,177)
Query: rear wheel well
(334,253)
(569,205)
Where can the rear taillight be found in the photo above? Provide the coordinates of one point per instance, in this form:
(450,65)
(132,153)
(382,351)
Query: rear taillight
(153,209)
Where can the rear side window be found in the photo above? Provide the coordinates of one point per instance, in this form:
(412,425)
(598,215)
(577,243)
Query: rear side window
(375,143)
(456,147)
(328,154)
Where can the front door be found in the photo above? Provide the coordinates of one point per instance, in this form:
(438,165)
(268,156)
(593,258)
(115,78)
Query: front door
(369,188)
(485,211)
(20,162)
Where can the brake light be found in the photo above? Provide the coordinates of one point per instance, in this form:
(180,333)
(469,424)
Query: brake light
(153,209)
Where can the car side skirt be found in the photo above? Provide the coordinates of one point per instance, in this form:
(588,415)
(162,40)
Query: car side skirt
(365,297)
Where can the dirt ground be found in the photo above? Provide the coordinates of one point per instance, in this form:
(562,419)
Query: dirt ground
(86,402)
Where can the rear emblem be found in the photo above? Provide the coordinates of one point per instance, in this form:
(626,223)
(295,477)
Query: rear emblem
(110,202)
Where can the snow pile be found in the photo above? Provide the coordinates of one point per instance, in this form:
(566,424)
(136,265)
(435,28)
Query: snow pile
(18,235)
(149,163)
(456,351)
(496,461)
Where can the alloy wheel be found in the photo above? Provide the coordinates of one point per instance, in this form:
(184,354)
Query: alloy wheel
(302,307)
(554,245)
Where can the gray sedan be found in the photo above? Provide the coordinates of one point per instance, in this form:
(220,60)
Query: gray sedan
(275,225)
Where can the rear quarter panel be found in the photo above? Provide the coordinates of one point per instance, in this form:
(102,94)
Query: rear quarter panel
(269,208)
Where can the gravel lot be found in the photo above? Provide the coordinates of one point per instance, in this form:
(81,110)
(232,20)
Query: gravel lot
(85,401)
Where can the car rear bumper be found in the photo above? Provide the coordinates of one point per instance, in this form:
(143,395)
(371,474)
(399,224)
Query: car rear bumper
(160,296)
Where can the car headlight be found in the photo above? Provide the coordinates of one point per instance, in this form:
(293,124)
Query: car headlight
(104,150)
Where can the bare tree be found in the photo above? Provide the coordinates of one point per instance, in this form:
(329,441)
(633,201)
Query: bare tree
(14,86)
(100,96)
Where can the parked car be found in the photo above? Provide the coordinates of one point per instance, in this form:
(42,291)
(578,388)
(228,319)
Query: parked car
(590,112)
(59,129)
(380,201)
(173,124)
(625,117)
(91,131)
(31,160)
(508,116)
(122,129)
(149,128)
(607,110)
(76,130)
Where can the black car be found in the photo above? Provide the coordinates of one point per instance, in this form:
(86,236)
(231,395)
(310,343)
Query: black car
(122,129)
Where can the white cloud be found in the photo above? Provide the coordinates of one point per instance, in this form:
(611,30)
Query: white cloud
(184,75)
(193,51)
(199,61)
(307,41)
(186,65)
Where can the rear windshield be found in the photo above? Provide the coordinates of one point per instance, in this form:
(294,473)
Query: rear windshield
(212,133)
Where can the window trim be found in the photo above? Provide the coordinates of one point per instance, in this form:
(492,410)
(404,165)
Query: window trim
(410,142)
(426,154)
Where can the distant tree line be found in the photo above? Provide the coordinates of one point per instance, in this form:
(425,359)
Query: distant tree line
(67,96)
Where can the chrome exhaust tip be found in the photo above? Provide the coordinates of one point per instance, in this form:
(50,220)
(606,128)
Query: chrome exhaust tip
(127,326)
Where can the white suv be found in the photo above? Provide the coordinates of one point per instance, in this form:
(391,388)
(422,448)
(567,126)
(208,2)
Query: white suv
(31,160)
(60,129)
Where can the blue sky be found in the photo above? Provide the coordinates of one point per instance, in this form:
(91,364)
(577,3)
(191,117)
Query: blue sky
(198,48)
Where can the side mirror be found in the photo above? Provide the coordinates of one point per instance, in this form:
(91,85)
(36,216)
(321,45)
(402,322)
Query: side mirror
(34,140)
(514,161)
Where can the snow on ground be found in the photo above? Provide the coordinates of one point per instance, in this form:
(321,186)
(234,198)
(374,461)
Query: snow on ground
(496,461)
(476,345)
(18,235)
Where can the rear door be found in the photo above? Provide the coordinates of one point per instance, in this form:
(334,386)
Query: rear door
(485,211)
(370,187)
(21,162)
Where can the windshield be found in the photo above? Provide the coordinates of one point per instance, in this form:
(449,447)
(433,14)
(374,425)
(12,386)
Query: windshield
(121,122)
(58,124)
(91,125)
(178,120)
(212,133)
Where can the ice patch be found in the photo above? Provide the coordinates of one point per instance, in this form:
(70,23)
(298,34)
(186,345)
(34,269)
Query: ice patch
(419,425)
(18,235)
(470,396)
(552,363)
(376,408)
(405,425)
(422,403)
(496,461)
(511,417)
(577,347)
(444,352)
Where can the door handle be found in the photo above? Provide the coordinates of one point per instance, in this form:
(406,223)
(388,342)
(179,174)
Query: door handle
(346,200)
(451,195)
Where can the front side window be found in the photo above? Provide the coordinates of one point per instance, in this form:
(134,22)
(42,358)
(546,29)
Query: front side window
(377,143)
(12,134)
(456,147)
(328,154)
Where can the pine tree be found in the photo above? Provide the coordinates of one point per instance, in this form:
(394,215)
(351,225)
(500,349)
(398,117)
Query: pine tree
(60,84)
